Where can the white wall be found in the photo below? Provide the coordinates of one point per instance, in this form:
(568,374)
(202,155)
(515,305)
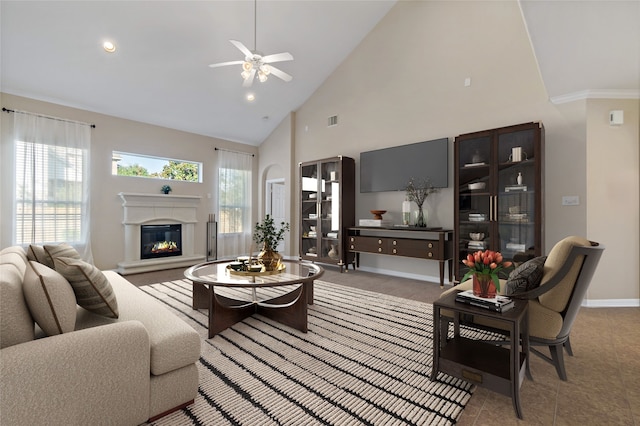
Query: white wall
(276,162)
(613,197)
(405,84)
(111,133)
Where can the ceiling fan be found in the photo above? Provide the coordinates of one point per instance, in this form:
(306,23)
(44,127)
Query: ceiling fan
(255,63)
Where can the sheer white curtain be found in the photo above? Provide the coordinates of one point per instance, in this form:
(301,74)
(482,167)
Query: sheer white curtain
(234,203)
(51,203)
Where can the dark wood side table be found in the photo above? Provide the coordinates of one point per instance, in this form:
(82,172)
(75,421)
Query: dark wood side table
(496,368)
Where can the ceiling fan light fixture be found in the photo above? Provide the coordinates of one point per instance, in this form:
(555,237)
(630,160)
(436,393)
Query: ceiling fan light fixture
(247,66)
(265,69)
(262,76)
(245,74)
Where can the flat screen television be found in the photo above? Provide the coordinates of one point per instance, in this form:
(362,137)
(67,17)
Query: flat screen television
(390,169)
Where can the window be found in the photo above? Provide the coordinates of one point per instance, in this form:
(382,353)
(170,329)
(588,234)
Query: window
(127,164)
(234,203)
(233,208)
(48,193)
(51,182)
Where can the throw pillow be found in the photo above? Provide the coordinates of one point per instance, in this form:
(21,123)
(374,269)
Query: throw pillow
(61,250)
(50,299)
(93,290)
(525,277)
(40,255)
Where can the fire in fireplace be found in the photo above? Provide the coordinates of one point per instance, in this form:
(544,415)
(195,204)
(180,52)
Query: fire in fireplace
(160,241)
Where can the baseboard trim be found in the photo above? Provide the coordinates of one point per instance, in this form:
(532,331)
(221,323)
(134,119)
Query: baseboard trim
(611,303)
(418,277)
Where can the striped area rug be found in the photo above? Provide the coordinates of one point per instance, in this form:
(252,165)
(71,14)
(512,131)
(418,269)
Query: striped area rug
(365,360)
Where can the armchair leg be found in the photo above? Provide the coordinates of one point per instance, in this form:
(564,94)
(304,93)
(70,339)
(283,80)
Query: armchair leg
(558,360)
(567,347)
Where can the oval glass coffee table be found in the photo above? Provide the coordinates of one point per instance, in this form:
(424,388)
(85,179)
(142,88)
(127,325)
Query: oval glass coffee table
(232,296)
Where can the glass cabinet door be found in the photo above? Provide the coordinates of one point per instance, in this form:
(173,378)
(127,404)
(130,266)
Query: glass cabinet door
(517,181)
(475,199)
(310,190)
(330,210)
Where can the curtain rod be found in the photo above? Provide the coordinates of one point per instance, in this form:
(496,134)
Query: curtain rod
(237,152)
(93,126)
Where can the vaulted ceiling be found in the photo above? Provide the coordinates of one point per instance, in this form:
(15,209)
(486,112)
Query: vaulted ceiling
(159,74)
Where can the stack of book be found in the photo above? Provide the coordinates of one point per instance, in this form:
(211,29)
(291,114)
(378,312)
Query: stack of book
(383,223)
(511,188)
(476,245)
(497,304)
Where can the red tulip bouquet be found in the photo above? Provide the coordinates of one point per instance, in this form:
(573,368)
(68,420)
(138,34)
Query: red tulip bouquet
(484,267)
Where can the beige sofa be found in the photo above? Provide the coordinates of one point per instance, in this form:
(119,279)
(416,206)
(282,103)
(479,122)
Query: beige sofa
(116,371)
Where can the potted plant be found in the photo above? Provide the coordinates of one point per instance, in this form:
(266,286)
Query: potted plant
(165,189)
(484,267)
(269,236)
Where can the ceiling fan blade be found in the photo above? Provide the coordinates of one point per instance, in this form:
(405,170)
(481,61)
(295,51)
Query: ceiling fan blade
(241,47)
(222,64)
(278,57)
(280,74)
(249,81)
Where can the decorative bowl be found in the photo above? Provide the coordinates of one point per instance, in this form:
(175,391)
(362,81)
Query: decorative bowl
(236,266)
(377,214)
(477,185)
(255,268)
(476,236)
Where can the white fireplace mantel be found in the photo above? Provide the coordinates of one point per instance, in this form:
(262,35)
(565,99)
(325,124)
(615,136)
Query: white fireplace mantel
(155,209)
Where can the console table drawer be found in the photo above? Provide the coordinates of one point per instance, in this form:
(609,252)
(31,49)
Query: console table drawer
(424,249)
(368,244)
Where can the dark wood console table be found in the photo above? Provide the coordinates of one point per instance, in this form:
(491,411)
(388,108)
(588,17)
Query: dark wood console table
(407,242)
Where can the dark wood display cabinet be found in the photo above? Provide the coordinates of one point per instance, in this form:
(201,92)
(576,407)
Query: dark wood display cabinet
(327,210)
(499,193)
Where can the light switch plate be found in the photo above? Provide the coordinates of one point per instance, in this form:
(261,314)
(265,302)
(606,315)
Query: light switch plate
(570,200)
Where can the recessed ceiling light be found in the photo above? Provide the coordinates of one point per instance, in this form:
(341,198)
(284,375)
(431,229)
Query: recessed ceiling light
(251,97)
(109,46)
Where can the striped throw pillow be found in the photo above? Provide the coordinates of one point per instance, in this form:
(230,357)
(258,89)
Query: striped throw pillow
(60,250)
(93,290)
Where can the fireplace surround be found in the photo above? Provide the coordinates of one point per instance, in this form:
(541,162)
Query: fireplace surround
(155,210)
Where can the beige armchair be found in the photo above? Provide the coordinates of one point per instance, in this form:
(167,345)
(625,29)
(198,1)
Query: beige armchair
(554,305)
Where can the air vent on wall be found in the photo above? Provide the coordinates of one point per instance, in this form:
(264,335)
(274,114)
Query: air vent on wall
(332,121)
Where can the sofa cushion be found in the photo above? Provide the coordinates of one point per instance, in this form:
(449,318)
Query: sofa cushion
(174,343)
(16,324)
(40,255)
(92,289)
(50,299)
(61,250)
(557,298)
(14,256)
(525,277)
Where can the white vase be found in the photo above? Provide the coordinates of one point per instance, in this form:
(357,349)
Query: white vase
(333,253)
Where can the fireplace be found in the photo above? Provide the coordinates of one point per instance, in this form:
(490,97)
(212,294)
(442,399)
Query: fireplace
(160,241)
(170,221)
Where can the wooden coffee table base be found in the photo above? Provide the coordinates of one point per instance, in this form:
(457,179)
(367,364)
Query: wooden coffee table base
(289,309)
